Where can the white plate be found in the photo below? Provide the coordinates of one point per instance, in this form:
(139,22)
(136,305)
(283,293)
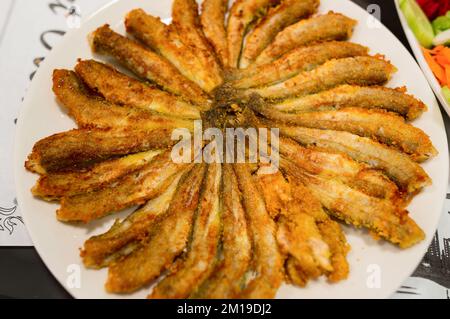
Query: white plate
(58,243)
(415,46)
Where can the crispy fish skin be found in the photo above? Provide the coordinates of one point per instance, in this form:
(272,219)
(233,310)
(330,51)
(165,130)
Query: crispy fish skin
(385,127)
(101,250)
(296,61)
(78,149)
(170,237)
(57,185)
(186,20)
(212,20)
(354,70)
(121,89)
(277,18)
(241,15)
(91,111)
(394,100)
(227,278)
(133,189)
(200,259)
(358,209)
(409,175)
(267,259)
(146,64)
(331,26)
(164,39)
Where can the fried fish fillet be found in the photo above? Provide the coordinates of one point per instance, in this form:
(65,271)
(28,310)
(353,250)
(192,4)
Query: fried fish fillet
(376,97)
(57,185)
(212,20)
(92,111)
(200,259)
(267,259)
(146,64)
(227,279)
(354,70)
(186,20)
(78,149)
(296,61)
(133,189)
(331,26)
(165,40)
(277,18)
(385,127)
(358,209)
(409,175)
(241,15)
(121,89)
(171,234)
(101,250)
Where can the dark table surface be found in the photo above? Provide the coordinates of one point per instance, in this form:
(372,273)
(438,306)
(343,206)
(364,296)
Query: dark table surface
(24,275)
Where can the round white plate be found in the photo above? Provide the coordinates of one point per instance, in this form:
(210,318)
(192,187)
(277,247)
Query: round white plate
(377,268)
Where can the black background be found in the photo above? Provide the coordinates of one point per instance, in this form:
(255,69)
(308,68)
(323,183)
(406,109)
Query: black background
(24,275)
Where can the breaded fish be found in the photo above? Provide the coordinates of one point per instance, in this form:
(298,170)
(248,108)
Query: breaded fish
(298,60)
(267,258)
(227,278)
(376,97)
(358,209)
(165,40)
(353,70)
(146,64)
(78,149)
(277,18)
(383,126)
(169,239)
(241,15)
(200,259)
(92,111)
(56,185)
(133,189)
(409,175)
(212,20)
(186,20)
(124,236)
(331,26)
(121,89)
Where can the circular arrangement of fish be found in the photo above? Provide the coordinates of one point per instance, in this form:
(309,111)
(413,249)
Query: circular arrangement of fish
(231,229)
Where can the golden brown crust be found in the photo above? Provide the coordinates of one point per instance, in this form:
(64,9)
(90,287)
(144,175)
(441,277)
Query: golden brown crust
(212,20)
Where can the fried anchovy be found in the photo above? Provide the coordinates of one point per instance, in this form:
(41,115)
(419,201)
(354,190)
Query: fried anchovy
(146,64)
(296,61)
(78,149)
(331,26)
(267,259)
(134,189)
(101,250)
(212,20)
(200,259)
(226,280)
(165,40)
(186,20)
(277,18)
(92,111)
(394,100)
(73,183)
(242,14)
(383,126)
(358,209)
(169,239)
(353,70)
(409,175)
(121,89)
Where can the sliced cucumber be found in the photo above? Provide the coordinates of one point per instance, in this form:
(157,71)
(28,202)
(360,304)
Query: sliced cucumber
(442,38)
(418,22)
(446,93)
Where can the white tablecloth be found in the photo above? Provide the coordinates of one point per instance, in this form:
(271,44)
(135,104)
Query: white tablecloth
(29,28)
